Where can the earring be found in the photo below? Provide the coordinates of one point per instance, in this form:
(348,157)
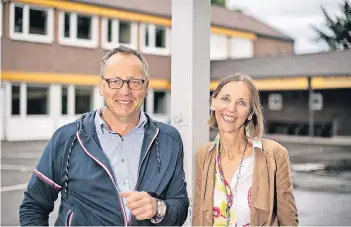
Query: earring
(249,118)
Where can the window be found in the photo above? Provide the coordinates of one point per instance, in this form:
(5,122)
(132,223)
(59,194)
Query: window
(37,100)
(316,101)
(15,96)
(147,35)
(218,47)
(116,32)
(144,105)
(241,48)
(67,25)
(84,27)
(83,99)
(155,39)
(64,100)
(160,104)
(275,102)
(31,23)
(124,32)
(160,37)
(78,30)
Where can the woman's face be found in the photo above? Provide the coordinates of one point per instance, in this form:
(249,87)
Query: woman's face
(232,106)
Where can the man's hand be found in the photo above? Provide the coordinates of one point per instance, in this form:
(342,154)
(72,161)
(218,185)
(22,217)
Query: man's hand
(141,204)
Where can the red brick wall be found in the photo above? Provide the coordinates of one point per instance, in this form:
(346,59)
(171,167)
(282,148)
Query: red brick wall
(269,47)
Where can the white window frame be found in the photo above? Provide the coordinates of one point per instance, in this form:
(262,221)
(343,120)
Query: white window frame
(25,35)
(115,34)
(73,40)
(152,49)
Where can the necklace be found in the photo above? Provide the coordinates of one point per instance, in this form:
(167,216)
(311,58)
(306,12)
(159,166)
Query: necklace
(228,191)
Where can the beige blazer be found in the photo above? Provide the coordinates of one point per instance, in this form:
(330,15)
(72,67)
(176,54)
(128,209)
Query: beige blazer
(273,202)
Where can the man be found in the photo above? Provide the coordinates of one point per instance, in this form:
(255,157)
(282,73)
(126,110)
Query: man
(115,165)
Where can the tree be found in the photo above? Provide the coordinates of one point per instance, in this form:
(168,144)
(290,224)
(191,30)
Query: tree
(218,2)
(339,35)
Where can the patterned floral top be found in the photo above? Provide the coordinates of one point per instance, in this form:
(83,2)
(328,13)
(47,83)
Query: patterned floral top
(240,210)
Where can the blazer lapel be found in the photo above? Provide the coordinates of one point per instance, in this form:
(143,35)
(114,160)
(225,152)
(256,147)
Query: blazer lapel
(260,182)
(208,184)
(263,183)
(271,166)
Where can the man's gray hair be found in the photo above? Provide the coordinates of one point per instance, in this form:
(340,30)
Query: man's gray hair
(125,50)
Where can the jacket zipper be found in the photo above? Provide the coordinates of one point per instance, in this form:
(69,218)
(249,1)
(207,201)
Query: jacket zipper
(141,163)
(108,172)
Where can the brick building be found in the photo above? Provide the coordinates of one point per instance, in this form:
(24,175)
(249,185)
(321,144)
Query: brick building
(51,52)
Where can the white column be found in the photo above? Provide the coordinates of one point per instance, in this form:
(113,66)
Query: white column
(58,99)
(2,108)
(8,109)
(71,100)
(55,104)
(98,99)
(190,80)
(150,102)
(8,100)
(23,100)
(168,102)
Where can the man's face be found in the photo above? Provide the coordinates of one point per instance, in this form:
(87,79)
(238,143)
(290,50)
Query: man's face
(124,102)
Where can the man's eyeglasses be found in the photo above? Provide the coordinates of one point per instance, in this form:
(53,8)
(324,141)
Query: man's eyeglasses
(133,84)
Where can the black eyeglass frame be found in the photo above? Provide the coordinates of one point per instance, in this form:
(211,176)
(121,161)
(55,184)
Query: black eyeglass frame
(124,81)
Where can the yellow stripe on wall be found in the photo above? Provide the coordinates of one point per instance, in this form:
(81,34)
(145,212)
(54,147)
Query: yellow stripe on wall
(213,85)
(127,15)
(50,78)
(60,78)
(295,83)
(233,33)
(331,82)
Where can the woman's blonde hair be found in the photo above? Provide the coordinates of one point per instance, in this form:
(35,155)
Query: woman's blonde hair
(255,127)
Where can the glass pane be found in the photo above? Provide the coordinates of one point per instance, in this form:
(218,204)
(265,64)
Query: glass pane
(67,25)
(144,105)
(83,99)
(64,98)
(38,22)
(124,32)
(109,30)
(160,37)
(84,27)
(18,19)
(160,102)
(15,95)
(147,36)
(37,100)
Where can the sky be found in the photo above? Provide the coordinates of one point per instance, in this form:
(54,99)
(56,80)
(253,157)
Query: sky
(293,18)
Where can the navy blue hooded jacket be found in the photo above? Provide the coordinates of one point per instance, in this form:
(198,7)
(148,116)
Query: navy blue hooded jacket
(74,164)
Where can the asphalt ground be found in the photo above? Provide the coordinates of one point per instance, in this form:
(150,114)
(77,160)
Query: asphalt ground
(321,176)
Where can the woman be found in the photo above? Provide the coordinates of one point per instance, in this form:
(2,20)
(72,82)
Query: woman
(242,179)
